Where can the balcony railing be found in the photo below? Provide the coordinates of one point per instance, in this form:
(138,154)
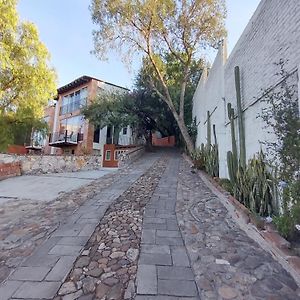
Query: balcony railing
(65,138)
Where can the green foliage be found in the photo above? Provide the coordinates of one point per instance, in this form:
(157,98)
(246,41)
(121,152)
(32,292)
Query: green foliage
(193,130)
(255,185)
(226,185)
(206,158)
(232,167)
(161,31)
(287,221)
(26,81)
(141,109)
(282,119)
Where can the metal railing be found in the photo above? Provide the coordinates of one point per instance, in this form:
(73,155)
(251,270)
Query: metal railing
(68,137)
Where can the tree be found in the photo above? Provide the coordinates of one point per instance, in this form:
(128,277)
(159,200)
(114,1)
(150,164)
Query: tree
(26,80)
(160,30)
(141,109)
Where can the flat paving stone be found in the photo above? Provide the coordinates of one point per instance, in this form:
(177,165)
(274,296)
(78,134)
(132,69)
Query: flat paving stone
(73,241)
(37,290)
(182,288)
(148,236)
(30,273)
(178,273)
(8,288)
(179,256)
(162,247)
(65,250)
(61,269)
(155,249)
(146,280)
(155,259)
(171,241)
(168,233)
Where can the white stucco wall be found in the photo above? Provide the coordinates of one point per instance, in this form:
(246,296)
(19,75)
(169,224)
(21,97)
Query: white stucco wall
(272,34)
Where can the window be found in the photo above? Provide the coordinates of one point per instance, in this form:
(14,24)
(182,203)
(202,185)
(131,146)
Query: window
(125,131)
(107,155)
(74,101)
(74,124)
(96,135)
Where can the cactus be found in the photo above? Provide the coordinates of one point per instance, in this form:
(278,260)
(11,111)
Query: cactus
(240,117)
(216,153)
(215,135)
(208,129)
(232,169)
(232,157)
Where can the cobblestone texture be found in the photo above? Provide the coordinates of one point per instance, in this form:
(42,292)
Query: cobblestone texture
(226,262)
(25,224)
(106,268)
(70,220)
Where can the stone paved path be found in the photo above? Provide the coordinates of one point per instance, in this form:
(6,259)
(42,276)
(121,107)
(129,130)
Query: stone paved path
(161,234)
(164,270)
(107,266)
(41,274)
(227,264)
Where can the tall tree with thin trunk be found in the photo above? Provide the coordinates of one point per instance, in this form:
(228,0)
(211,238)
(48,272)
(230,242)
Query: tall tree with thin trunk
(160,29)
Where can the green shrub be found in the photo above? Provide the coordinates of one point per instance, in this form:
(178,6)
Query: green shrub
(226,185)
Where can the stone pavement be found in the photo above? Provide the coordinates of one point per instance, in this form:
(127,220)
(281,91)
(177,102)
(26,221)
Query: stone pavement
(40,187)
(107,266)
(40,275)
(164,270)
(227,263)
(165,236)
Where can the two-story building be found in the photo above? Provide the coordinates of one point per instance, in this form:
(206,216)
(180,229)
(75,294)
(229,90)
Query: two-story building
(70,133)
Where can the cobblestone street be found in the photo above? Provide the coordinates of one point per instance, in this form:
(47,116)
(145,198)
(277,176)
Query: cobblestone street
(154,231)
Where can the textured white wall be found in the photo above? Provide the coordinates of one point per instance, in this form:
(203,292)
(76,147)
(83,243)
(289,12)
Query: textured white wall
(272,34)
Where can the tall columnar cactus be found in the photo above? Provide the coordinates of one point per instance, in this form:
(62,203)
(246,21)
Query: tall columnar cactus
(234,163)
(215,135)
(240,117)
(232,169)
(208,129)
(215,150)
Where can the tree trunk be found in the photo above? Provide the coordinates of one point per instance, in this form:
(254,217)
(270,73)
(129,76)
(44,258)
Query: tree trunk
(188,141)
(183,130)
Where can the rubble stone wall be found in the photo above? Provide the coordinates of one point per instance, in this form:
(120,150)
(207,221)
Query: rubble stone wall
(42,164)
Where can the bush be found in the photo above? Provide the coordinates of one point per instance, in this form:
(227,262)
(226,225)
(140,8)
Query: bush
(226,185)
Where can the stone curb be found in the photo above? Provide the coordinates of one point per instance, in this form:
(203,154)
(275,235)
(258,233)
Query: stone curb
(274,242)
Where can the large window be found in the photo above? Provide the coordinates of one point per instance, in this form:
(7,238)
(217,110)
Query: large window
(74,101)
(74,124)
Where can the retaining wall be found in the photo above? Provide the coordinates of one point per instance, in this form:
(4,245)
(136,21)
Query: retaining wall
(41,164)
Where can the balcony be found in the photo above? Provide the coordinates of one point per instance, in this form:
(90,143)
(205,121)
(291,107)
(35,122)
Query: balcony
(67,138)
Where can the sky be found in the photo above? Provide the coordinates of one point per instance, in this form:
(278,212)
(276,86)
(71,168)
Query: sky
(65,27)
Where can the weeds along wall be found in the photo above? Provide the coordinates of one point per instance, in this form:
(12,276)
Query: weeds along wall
(272,34)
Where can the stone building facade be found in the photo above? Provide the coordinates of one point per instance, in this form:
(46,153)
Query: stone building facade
(271,35)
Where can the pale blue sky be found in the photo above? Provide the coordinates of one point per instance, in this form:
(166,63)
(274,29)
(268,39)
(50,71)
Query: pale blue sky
(65,27)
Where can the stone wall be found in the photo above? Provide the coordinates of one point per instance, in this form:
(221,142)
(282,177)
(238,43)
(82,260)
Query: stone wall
(271,34)
(10,169)
(41,164)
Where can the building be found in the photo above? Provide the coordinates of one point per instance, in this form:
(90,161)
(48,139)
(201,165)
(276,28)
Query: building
(70,133)
(272,34)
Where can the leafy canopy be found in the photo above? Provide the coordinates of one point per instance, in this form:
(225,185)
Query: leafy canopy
(26,80)
(160,30)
